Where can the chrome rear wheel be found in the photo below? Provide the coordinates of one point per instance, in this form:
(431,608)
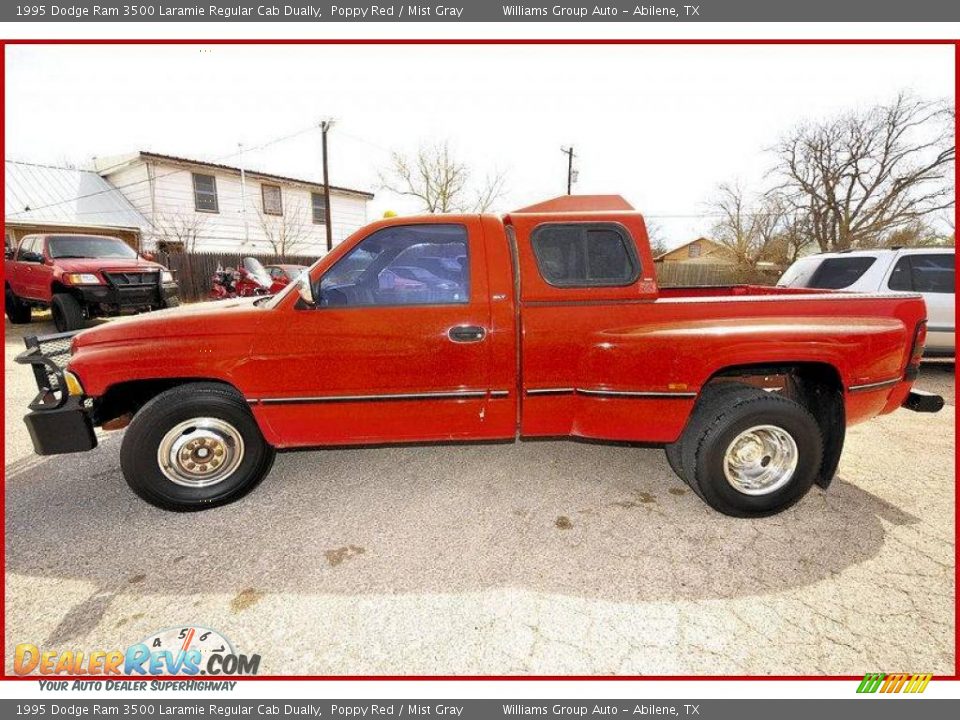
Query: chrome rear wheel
(760,460)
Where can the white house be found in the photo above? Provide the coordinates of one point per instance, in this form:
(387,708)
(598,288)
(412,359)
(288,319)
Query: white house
(47,199)
(200,206)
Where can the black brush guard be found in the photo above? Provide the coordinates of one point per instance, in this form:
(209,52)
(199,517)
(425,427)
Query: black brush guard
(58,422)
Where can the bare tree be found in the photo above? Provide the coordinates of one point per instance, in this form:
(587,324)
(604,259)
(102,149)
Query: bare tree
(286,233)
(179,230)
(658,244)
(440,181)
(865,174)
(916,234)
(751,235)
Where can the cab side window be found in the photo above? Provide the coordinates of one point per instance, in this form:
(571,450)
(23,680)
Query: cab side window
(934,273)
(30,249)
(426,264)
(585,254)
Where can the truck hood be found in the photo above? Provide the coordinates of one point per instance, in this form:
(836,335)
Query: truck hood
(222,317)
(78,265)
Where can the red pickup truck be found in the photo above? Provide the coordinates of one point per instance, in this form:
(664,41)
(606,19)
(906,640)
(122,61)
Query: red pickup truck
(81,277)
(545,322)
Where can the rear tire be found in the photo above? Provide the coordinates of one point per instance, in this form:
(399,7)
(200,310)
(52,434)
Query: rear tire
(712,398)
(18,312)
(674,453)
(67,312)
(751,453)
(194,447)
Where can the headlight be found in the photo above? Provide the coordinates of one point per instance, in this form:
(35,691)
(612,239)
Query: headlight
(166,276)
(82,279)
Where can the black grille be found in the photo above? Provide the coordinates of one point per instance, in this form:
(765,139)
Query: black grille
(128,279)
(56,349)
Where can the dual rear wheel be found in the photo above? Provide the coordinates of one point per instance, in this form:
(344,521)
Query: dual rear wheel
(748,452)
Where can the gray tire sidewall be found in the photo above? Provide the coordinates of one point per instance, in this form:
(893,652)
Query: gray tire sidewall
(138,454)
(785,414)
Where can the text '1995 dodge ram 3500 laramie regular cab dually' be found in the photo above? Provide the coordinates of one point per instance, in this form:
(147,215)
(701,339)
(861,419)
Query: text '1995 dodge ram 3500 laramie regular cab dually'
(546,322)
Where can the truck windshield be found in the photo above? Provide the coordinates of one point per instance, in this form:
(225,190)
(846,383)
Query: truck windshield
(85,246)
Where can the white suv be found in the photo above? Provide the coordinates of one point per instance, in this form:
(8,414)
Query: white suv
(928,271)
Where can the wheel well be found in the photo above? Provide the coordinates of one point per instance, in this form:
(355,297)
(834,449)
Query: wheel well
(126,398)
(817,386)
(59,287)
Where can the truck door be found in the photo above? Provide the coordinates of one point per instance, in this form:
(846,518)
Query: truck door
(396,348)
(26,275)
(933,276)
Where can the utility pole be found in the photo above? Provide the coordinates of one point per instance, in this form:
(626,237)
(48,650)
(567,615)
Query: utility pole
(243,198)
(325,126)
(571,173)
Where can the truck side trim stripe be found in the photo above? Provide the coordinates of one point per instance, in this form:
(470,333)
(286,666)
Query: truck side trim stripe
(637,393)
(610,393)
(550,391)
(444,395)
(874,385)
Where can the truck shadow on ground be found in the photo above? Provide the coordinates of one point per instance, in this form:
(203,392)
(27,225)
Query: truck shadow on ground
(595,521)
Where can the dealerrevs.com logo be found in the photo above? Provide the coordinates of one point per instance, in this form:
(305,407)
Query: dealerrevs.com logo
(190,651)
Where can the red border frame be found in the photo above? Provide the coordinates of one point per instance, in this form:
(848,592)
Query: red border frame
(475,41)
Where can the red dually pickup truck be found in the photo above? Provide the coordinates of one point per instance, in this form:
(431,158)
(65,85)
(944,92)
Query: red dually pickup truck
(545,322)
(80,277)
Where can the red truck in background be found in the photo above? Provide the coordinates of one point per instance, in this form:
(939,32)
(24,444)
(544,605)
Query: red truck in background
(80,277)
(545,322)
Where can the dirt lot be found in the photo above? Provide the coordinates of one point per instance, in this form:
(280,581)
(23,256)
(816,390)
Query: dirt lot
(541,557)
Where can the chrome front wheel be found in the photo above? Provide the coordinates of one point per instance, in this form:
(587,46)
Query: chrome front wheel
(200,452)
(760,460)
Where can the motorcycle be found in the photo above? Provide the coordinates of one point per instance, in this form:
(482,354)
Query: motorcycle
(249,279)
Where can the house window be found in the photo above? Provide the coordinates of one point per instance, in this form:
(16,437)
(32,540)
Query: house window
(693,251)
(272,200)
(319,209)
(205,193)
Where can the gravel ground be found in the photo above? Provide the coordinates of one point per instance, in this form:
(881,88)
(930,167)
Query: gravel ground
(536,558)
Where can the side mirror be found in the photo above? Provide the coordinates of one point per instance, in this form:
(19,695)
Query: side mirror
(149,256)
(8,253)
(305,290)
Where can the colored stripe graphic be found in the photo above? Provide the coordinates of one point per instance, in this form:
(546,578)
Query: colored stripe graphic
(894,683)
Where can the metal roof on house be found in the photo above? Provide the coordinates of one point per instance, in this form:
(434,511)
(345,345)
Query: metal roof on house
(147,155)
(48,195)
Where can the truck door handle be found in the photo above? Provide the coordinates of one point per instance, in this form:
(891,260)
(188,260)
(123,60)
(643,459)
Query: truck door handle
(466,333)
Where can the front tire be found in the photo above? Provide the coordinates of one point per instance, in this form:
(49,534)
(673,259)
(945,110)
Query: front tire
(194,447)
(17,310)
(752,453)
(67,312)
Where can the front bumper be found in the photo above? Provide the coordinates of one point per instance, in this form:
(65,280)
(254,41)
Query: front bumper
(57,422)
(920,401)
(65,429)
(130,298)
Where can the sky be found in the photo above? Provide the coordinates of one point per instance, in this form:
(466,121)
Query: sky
(660,125)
